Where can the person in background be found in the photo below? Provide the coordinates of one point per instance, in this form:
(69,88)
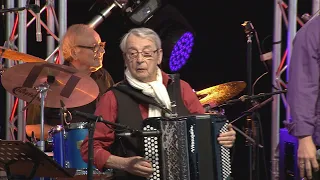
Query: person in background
(82,49)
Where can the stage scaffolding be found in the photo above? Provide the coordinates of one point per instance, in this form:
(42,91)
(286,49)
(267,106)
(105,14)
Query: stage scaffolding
(52,23)
(280,65)
(14,107)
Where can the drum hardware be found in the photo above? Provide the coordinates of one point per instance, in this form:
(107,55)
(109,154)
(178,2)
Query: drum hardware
(42,88)
(64,114)
(48,84)
(216,95)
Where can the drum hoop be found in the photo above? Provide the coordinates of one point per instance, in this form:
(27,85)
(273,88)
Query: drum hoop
(78,125)
(57,128)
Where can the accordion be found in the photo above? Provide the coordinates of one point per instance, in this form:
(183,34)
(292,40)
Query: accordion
(187,148)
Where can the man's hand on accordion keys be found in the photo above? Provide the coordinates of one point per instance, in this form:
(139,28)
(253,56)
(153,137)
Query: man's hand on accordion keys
(139,166)
(227,139)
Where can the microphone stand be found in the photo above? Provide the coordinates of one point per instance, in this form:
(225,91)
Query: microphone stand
(245,113)
(248,29)
(92,120)
(91,126)
(250,98)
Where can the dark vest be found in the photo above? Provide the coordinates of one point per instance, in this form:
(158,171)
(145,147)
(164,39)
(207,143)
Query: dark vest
(129,114)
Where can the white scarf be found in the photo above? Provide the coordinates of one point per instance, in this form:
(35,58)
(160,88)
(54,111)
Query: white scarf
(154,89)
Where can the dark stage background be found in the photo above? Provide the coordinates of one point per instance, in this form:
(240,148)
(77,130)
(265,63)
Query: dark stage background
(219,55)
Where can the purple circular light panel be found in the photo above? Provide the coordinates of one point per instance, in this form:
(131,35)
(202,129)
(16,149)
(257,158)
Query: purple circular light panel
(181,51)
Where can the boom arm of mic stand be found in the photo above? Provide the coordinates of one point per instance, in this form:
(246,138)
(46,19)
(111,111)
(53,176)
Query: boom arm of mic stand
(246,97)
(248,137)
(12,9)
(103,14)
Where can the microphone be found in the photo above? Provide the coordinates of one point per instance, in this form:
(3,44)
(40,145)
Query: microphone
(137,133)
(38,25)
(97,20)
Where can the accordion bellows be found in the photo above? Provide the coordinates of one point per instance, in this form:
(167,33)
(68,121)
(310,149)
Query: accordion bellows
(187,148)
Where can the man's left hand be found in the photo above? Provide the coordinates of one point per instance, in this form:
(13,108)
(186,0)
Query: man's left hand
(227,139)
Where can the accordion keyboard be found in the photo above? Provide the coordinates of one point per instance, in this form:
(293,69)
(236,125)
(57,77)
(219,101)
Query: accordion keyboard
(187,148)
(151,149)
(225,157)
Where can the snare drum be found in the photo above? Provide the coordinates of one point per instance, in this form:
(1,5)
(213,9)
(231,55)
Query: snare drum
(66,149)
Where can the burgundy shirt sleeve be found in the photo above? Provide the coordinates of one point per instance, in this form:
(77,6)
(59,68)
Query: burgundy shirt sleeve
(190,99)
(103,136)
(303,84)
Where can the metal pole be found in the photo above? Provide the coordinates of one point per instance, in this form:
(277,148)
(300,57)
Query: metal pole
(276,58)
(62,23)
(292,30)
(315,6)
(22,46)
(51,26)
(8,64)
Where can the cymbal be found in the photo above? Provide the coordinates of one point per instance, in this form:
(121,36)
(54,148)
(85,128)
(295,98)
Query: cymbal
(15,55)
(65,83)
(220,93)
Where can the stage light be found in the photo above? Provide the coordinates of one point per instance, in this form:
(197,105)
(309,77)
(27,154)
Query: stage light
(177,37)
(142,11)
(177,49)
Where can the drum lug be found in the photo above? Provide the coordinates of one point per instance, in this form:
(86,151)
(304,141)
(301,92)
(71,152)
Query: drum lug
(67,164)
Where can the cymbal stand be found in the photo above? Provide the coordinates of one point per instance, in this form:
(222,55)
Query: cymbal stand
(42,89)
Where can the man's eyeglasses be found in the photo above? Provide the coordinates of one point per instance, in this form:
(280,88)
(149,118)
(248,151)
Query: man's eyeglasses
(145,54)
(95,48)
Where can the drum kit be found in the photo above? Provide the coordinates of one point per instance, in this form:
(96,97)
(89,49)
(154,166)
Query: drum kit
(52,85)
